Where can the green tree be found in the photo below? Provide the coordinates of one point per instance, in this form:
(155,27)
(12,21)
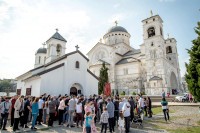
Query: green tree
(193,67)
(103,78)
(5,84)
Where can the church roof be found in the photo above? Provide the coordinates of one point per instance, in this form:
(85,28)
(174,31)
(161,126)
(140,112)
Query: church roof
(126,60)
(41,50)
(155,78)
(117,28)
(132,52)
(58,37)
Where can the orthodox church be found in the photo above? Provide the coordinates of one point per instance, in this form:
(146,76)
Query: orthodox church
(152,68)
(58,73)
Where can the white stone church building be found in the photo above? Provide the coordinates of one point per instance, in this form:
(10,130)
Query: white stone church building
(152,68)
(58,73)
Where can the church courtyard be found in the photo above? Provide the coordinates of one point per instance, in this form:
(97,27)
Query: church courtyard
(183,119)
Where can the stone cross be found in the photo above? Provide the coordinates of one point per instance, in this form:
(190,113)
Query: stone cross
(56,29)
(77,47)
(116,22)
(44,44)
(151,12)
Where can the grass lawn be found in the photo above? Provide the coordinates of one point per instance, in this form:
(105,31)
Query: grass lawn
(186,130)
(157,110)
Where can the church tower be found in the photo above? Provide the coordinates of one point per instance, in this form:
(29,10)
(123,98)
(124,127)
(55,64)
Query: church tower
(154,44)
(56,46)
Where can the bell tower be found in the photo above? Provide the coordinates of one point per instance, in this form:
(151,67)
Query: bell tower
(154,44)
(56,46)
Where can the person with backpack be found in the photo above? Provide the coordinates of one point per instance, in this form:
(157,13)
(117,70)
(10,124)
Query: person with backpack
(5,107)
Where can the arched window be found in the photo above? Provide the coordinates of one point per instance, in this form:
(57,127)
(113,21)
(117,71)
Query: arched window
(168,49)
(39,60)
(58,49)
(77,64)
(151,32)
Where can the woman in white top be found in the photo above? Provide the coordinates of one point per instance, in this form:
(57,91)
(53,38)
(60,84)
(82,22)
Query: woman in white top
(121,122)
(79,115)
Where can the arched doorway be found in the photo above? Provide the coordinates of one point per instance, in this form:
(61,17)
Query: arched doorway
(76,89)
(173,83)
(73,91)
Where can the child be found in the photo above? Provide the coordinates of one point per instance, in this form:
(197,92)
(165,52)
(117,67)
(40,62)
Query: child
(88,121)
(121,122)
(104,119)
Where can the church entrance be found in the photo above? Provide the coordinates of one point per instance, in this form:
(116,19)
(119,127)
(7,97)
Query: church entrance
(76,89)
(73,91)
(174,84)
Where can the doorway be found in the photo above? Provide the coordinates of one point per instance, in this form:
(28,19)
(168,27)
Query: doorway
(73,91)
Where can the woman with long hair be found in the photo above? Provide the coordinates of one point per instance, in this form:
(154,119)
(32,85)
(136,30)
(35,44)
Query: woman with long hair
(165,109)
(35,111)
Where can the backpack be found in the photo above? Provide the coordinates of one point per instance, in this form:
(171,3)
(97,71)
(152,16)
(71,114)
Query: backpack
(5,110)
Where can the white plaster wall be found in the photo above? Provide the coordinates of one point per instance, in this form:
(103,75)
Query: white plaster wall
(52,82)
(34,85)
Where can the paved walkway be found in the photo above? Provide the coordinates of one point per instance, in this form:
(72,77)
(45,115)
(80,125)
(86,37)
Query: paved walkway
(62,129)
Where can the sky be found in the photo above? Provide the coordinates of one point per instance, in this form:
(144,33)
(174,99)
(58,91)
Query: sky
(26,24)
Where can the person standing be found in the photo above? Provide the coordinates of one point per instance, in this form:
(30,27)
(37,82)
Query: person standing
(132,103)
(72,107)
(145,106)
(13,100)
(5,107)
(18,105)
(163,93)
(149,104)
(89,117)
(116,113)
(121,122)
(61,108)
(104,120)
(35,111)
(52,111)
(40,105)
(27,109)
(126,111)
(79,114)
(165,109)
(110,107)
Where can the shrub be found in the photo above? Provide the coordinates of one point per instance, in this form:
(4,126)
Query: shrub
(123,93)
(133,93)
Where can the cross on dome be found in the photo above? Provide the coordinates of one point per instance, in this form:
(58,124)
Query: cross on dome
(116,22)
(56,29)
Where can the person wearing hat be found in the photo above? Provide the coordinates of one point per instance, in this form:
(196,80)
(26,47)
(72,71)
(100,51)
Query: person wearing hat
(5,107)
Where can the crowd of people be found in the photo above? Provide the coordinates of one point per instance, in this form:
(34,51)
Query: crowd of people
(76,111)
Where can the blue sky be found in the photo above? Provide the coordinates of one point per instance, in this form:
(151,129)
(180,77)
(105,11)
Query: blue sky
(26,24)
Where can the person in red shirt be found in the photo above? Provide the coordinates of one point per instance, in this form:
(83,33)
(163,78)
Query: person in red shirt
(13,100)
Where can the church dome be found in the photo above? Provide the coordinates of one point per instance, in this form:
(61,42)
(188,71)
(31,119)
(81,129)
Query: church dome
(41,50)
(117,29)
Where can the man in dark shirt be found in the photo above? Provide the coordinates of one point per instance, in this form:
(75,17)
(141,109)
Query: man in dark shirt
(27,108)
(116,113)
(132,103)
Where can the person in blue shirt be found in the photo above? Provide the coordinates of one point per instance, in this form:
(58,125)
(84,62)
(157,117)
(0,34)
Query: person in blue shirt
(35,111)
(89,117)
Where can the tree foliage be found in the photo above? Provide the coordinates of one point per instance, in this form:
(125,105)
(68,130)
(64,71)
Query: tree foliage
(193,67)
(103,78)
(4,85)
